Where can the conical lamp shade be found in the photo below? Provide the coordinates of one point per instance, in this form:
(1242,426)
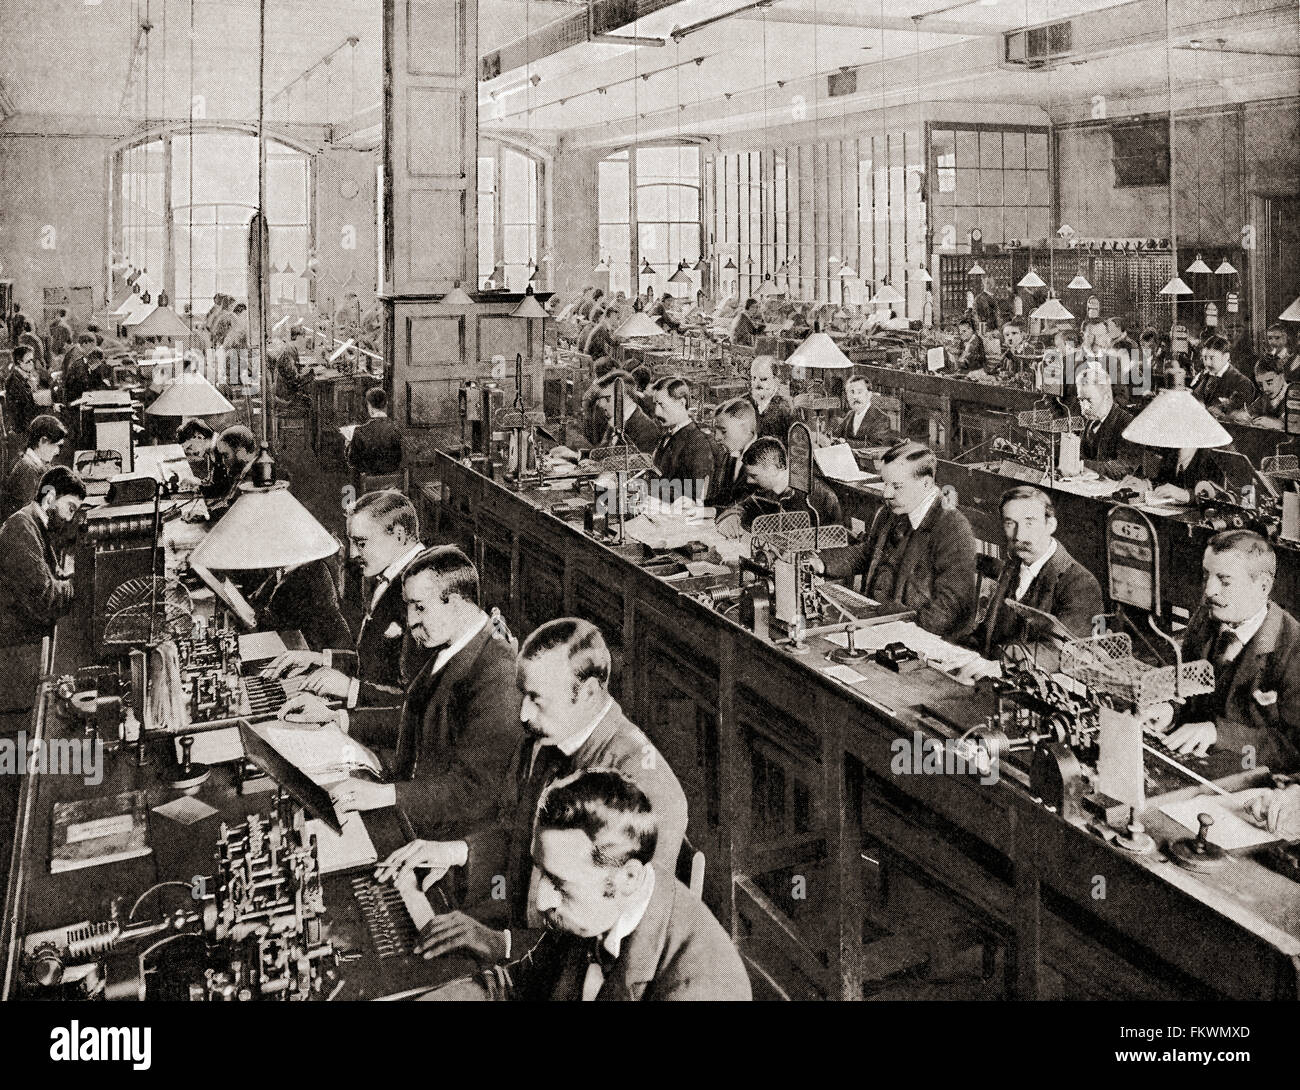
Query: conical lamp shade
(976,270)
(457,297)
(923,274)
(190,395)
(1176,287)
(1225,268)
(129,308)
(499,275)
(529,307)
(1198,266)
(700,265)
(730,265)
(846,272)
(1176,419)
(1292,313)
(1031,279)
(1080,283)
(265,528)
(768,287)
(601,266)
(888,294)
(681,276)
(819,351)
(638,326)
(1052,311)
(646,268)
(159,322)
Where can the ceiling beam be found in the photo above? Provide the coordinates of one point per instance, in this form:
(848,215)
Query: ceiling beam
(866,21)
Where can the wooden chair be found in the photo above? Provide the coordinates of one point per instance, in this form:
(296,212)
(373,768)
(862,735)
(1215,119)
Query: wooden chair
(690,868)
(399,482)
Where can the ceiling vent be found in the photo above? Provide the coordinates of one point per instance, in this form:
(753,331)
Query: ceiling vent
(1040,45)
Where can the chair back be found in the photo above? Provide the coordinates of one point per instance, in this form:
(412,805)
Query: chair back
(690,867)
(398,482)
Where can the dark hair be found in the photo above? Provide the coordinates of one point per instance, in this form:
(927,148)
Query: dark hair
(606,381)
(969,323)
(377,399)
(1278,327)
(768,451)
(1120,321)
(1028,492)
(598,294)
(676,387)
(239,437)
(451,569)
(587,652)
(95,354)
(1216,344)
(856,378)
(194,429)
(1255,548)
(45,427)
(1270,365)
(86,338)
(21,352)
(1149,336)
(611,810)
(390,508)
(920,457)
(751,302)
(63,482)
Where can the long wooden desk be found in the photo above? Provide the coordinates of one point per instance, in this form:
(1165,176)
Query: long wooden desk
(827,867)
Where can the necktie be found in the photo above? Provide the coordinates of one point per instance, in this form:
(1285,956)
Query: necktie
(597,957)
(900,530)
(1226,646)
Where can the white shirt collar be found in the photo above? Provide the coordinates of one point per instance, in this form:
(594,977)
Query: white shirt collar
(680,426)
(858,414)
(33,458)
(631,917)
(453,649)
(918,513)
(570,745)
(1245,631)
(389,575)
(1029,572)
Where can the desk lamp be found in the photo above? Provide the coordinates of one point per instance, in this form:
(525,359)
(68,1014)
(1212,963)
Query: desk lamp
(188,395)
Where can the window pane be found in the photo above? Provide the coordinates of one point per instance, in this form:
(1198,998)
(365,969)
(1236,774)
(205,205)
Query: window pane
(613,186)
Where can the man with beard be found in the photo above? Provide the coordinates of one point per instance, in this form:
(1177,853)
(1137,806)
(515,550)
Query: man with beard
(233,454)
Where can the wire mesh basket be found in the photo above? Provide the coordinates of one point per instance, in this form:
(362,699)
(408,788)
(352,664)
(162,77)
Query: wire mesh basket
(148,609)
(625,457)
(788,532)
(1106,665)
(516,418)
(1281,467)
(1045,421)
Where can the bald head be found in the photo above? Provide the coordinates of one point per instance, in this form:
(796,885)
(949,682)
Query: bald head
(1095,396)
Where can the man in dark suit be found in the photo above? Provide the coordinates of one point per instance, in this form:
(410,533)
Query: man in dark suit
(748,324)
(1268,410)
(1220,387)
(1039,573)
(303,599)
(618,927)
(1254,646)
(684,456)
(973,356)
(863,425)
(774,410)
(45,437)
(384,533)
(917,551)
(232,458)
(60,335)
(1278,344)
(1103,447)
(571,722)
(458,727)
(639,429)
(20,386)
(768,470)
(376,447)
(735,426)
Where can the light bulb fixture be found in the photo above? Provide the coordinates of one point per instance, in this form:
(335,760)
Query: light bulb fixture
(976,270)
(1176,286)
(1031,279)
(923,275)
(846,272)
(1225,269)
(1198,266)
(1079,283)
(768,286)
(818,351)
(681,276)
(646,268)
(701,264)
(783,269)
(456,298)
(498,276)
(1292,313)
(529,307)
(730,266)
(888,294)
(1053,310)
(601,266)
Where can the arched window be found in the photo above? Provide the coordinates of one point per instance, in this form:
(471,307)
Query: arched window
(201,247)
(510,212)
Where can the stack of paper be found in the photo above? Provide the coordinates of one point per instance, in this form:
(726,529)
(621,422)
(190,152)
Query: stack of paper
(838,463)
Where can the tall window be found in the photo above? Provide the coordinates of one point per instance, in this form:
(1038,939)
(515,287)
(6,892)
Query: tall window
(210,213)
(662,197)
(510,184)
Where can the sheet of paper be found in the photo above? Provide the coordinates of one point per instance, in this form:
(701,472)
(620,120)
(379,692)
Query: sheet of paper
(214,747)
(260,646)
(352,848)
(185,810)
(1232,827)
(838,463)
(845,673)
(348,431)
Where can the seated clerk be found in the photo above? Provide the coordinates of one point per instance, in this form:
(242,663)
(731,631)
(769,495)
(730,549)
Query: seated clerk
(1039,573)
(684,456)
(76,367)
(1181,471)
(1220,387)
(197,440)
(1008,363)
(774,411)
(735,426)
(34,591)
(747,325)
(972,357)
(1268,410)
(376,447)
(303,598)
(1102,446)
(570,723)
(452,739)
(768,470)
(917,551)
(1254,646)
(45,436)
(1278,348)
(233,455)
(618,925)
(863,425)
(639,429)
(598,341)
(384,533)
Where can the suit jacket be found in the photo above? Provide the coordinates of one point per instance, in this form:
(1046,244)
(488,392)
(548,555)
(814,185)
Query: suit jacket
(61,336)
(385,658)
(1232,386)
(744,329)
(1106,446)
(20,485)
(1063,587)
(777,419)
(677,952)
(1261,406)
(871,432)
(823,500)
(376,447)
(307,600)
(1200,468)
(685,456)
(1261,704)
(506,846)
(973,356)
(21,401)
(642,432)
(455,734)
(32,596)
(729,484)
(936,573)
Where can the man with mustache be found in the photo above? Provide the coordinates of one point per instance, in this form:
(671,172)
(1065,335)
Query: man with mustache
(1039,573)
